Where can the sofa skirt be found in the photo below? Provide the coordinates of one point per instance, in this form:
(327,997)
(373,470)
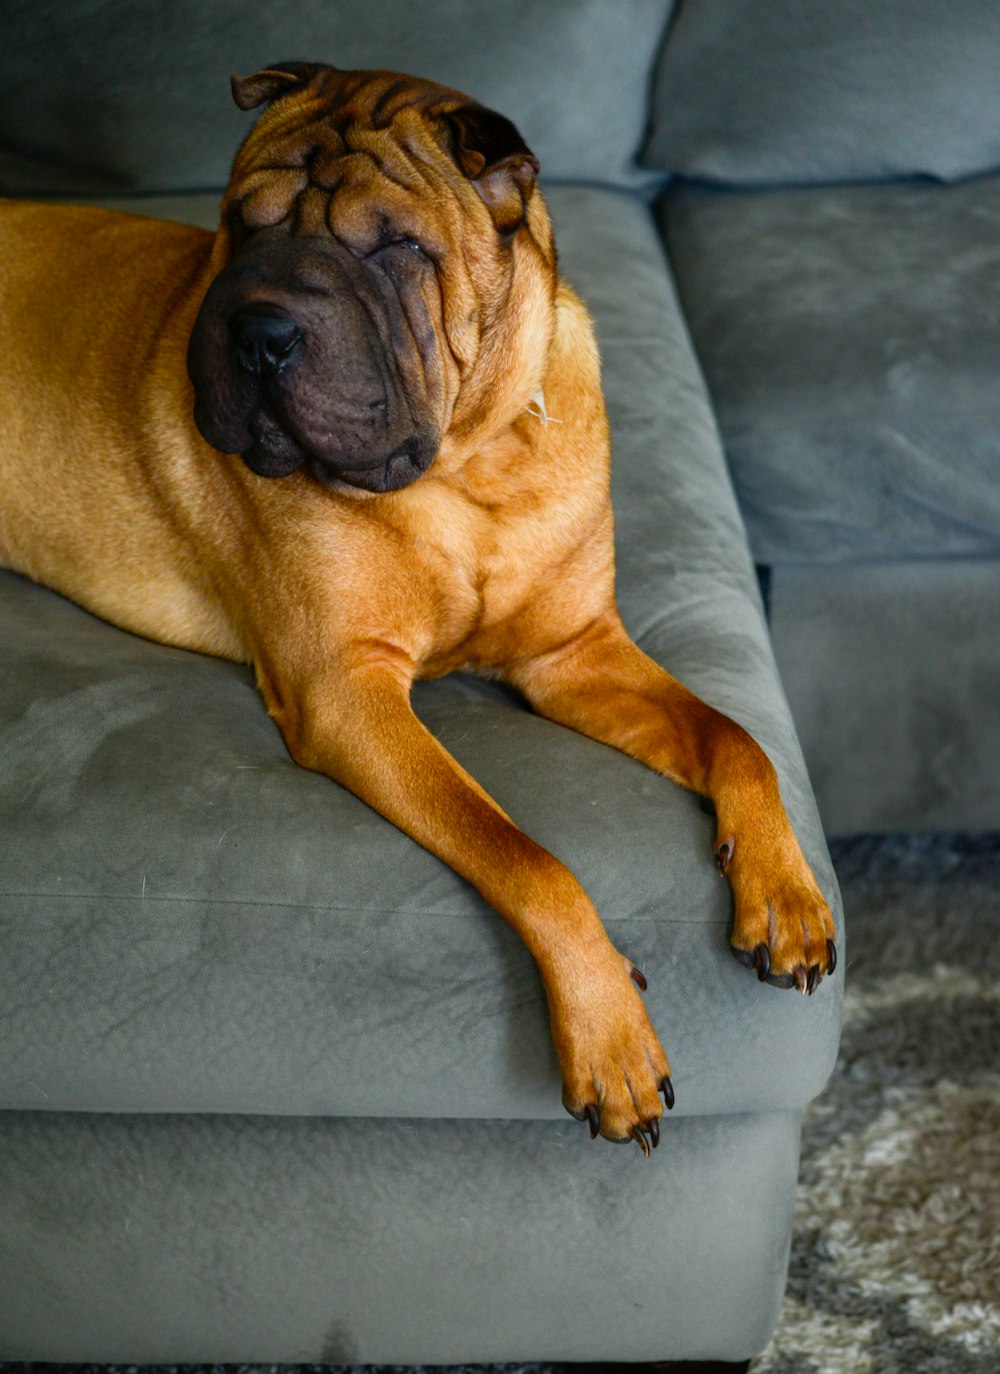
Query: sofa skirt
(226,1239)
(891,673)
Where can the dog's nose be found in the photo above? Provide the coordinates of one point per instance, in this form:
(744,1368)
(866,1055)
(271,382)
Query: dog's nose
(265,340)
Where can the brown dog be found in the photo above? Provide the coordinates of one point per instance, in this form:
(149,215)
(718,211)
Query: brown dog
(379,321)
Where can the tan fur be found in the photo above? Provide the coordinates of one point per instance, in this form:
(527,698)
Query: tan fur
(498,559)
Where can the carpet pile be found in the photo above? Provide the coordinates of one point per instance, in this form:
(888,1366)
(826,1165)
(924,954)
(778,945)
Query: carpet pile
(895,1264)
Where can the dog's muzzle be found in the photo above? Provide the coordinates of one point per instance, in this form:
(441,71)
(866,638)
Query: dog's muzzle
(304,356)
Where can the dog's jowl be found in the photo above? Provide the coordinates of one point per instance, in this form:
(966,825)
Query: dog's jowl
(314,442)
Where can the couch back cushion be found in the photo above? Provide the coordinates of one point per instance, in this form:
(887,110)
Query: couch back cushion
(105,98)
(808,91)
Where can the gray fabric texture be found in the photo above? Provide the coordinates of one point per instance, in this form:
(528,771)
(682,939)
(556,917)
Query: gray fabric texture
(105,98)
(190,922)
(891,670)
(168,1240)
(850,340)
(807,91)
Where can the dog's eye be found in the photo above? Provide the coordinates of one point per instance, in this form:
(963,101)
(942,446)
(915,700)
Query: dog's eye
(410,244)
(399,258)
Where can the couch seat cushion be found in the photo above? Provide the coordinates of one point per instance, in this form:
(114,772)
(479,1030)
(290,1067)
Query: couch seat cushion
(850,337)
(189,922)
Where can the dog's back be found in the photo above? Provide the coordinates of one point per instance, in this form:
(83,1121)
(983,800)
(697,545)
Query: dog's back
(76,472)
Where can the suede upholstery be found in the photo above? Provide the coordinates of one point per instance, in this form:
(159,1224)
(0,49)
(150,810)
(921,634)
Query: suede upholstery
(846,331)
(112,123)
(802,92)
(274,1084)
(224,1239)
(918,660)
(834,239)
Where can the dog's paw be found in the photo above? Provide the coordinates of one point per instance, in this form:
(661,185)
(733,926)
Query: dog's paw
(614,1067)
(783,927)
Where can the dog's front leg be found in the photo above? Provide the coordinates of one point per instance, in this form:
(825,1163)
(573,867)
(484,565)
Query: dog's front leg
(601,684)
(356,725)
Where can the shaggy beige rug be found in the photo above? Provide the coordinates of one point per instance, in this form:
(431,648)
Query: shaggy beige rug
(896,1253)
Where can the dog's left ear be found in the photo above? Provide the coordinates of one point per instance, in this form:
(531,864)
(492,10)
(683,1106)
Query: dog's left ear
(497,161)
(281,78)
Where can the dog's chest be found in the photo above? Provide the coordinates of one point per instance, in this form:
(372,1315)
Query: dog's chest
(484,574)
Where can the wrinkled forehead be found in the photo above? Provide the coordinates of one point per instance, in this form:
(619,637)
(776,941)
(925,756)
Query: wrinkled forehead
(353,132)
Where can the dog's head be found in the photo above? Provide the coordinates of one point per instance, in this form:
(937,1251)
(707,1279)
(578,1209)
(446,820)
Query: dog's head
(384,278)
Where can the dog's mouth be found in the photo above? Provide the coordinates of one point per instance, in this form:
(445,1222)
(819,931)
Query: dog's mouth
(274,453)
(402,467)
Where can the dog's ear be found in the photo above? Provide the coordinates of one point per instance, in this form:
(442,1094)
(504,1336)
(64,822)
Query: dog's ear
(497,161)
(281,78)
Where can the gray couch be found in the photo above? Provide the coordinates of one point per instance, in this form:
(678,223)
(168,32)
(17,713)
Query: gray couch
(834,233)
(276,1086)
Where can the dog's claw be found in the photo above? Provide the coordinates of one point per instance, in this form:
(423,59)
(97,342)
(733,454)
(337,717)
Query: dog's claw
(638,978)
(758,958)
(762,962)
(640,1140)
(724,853)
(588,1114)
(653,1127)
(781,980)
(667,1089)
(806,980)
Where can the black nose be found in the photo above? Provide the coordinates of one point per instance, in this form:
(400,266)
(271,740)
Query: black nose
(265,340)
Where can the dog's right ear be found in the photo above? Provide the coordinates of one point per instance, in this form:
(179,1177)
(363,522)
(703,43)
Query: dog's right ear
(281,78)
(497,161)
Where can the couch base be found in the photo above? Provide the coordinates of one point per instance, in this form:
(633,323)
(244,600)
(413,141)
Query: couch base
(225,1239)
(891,676)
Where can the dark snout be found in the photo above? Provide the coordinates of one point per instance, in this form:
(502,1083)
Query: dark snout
(299,358)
